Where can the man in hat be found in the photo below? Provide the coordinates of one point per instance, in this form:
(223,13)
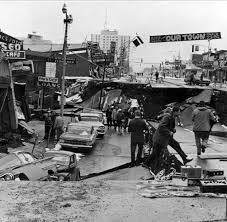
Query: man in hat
(137,126)
(201,117)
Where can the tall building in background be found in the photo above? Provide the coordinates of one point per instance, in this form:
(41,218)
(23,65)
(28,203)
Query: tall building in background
(122,48)
(107,36)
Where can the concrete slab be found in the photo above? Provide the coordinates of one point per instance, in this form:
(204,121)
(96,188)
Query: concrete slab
(213,156)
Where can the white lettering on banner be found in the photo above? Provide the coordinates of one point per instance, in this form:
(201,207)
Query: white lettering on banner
(185,37)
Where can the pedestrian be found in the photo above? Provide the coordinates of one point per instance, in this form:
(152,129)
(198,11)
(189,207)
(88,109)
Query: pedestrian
(136,127)
(59,125)
(164,133)
(156,76)
(114,117)
(163,136)
(120,118)
(109,116)
(48,124)
(202,117)
(126,118)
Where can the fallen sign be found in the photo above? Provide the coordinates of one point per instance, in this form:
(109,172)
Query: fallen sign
(213,156)
(185,37)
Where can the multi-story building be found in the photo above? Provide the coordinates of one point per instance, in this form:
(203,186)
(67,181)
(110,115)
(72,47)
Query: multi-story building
(122,48)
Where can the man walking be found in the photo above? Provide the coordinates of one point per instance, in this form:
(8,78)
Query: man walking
(137,126)
(201,118)
(164,133)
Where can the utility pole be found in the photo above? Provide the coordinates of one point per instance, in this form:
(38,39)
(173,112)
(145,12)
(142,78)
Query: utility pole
(68,20)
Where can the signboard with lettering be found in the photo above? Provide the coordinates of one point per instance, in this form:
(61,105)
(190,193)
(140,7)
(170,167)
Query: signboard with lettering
(50,69)
(11,47)
(48,81)
(8,42)
(185,37)
(58,60)
(12,54)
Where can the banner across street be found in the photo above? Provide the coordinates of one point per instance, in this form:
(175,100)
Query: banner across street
(185,37)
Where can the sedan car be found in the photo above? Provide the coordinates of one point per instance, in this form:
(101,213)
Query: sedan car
(93,119)
(66,163)
(25,166)
(78,136)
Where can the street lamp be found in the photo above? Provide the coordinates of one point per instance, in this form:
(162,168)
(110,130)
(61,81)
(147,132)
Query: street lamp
(68,20)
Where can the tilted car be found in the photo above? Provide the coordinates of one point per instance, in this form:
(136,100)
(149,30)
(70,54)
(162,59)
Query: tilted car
(24,166)
(93,119)
(78,136)
(66,162)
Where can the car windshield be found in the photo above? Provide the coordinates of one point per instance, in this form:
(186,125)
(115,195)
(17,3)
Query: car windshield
(78,131)
(90,118)
(26,157)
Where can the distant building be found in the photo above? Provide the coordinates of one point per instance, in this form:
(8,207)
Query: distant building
(36,42)
(106,37)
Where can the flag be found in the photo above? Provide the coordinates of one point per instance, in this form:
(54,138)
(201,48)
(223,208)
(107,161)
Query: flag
(137,41)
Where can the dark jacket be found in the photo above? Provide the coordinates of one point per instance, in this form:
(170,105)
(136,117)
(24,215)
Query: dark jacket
(136,127)
(164,130)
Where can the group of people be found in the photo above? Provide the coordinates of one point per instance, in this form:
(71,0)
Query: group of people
(203,119)
(54,125)
(118,118)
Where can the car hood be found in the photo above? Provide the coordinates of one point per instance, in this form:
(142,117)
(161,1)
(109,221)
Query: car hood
(72,136)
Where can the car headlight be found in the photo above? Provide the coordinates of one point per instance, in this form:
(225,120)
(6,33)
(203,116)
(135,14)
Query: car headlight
(8,177)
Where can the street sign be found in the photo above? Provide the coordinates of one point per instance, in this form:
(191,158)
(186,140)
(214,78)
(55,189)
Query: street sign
(11,54)
(185,37)
(58,60)
(48,81)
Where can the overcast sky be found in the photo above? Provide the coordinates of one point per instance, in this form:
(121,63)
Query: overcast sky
(18,18)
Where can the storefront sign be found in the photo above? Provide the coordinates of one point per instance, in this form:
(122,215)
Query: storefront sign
(8,42)
(58,60)
(48,81)
(185,37)
(14,54)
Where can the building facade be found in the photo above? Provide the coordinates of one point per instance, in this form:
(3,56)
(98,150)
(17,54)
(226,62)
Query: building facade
(122,47)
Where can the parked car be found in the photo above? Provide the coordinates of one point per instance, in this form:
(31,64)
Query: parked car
(66,163)
(93,119)
(78,136)
(24,166)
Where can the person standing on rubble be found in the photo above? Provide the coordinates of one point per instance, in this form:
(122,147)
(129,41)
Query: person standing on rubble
(202,117)
(59,125)
(136,127)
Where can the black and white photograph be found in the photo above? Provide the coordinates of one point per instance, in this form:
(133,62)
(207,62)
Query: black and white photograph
(113,111)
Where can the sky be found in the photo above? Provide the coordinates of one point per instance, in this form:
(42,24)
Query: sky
(146,18)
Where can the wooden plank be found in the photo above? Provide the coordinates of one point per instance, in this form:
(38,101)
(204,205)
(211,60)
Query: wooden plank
(213,156)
